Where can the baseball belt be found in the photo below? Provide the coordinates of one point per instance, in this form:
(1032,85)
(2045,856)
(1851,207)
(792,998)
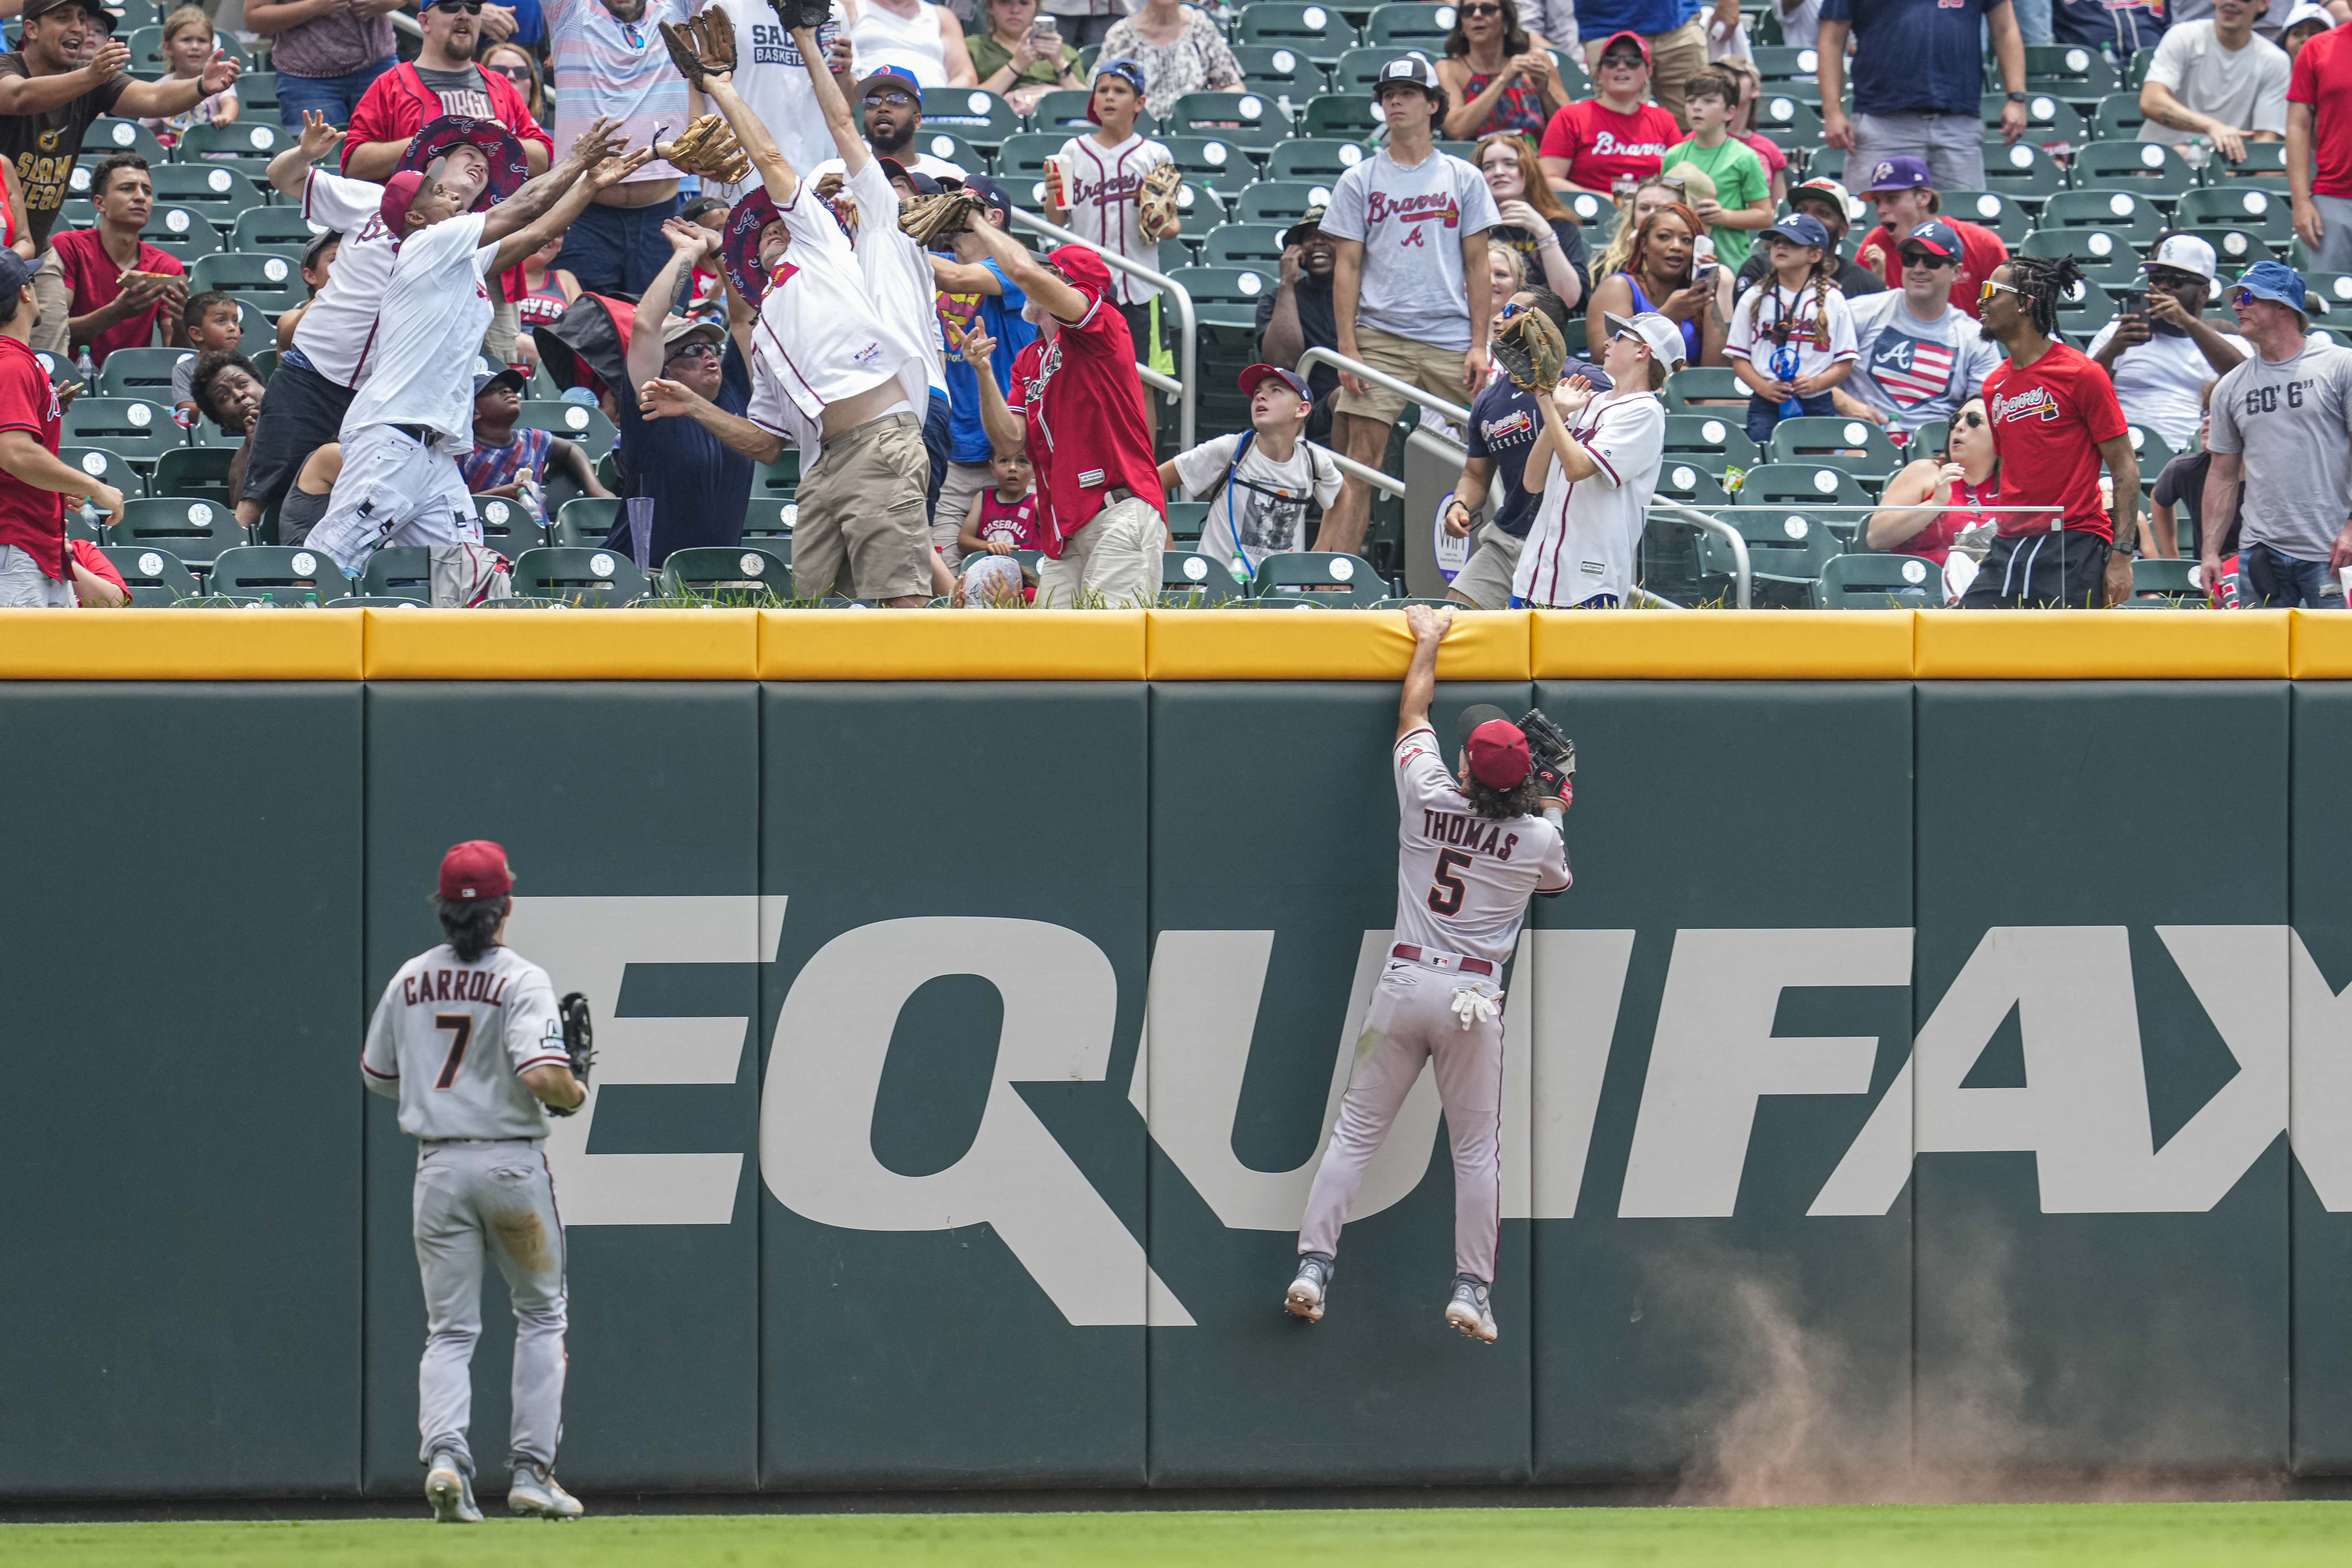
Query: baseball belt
(1466,965)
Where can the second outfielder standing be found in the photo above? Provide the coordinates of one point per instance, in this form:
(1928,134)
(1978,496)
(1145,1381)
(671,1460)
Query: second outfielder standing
(1468,854)
(471,1041)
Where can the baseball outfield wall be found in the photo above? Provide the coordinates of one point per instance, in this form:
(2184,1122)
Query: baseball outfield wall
(1940,1053)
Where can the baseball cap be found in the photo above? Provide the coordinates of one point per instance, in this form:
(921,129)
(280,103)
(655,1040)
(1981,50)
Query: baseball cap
(96,12)
(1829,190)
(1083,267)
(1497,748)
(1802,228)
(317,246)
(1898,174)
(1128,70)
(985,187)
(2304,12)
(893,170)
(15,272)
(2186,253)
(1289,378)
(678,329)
(898,76)
(700,205)
(1414,68)
(475,869)
(1628,37)
(489,378)
(1935,236)
(2277,282)
(1309,222)
(398,192)
(1664,338)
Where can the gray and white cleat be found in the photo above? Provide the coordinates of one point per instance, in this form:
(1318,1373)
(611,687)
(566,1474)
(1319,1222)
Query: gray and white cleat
(1307,1292)
(536,1494)
(1469,1309)
(449,1493)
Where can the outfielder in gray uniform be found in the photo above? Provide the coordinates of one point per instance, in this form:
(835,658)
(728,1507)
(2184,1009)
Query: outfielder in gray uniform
(1468,854)
(470,1040)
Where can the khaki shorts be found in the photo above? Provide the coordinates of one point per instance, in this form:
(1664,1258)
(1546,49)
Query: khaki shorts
(1486,579)
(56,302)
(1114,559)
(862,515)
(1437,371)
(1675,58)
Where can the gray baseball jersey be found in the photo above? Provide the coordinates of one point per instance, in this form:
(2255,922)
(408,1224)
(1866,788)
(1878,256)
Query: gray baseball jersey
(1462,880)
(452,1040)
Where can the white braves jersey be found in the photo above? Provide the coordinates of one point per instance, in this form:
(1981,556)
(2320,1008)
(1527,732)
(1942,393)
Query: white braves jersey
(819,338)
(1586,531)
(1462,880)
(898,280)
(429,327)
(457,1039)
(1104,182)
(335,333)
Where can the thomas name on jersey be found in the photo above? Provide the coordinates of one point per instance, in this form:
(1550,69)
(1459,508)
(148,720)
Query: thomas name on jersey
(1472,833)
(471,985)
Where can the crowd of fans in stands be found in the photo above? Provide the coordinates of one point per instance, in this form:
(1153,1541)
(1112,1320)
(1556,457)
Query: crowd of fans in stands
(1706,243)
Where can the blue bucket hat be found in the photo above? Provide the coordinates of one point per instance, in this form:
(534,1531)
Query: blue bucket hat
(2277,282)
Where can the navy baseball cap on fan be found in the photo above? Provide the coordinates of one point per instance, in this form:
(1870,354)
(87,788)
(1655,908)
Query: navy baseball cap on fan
(494,142)
(15,275)
(1289,378)
(1935,237)
(2278,282)
(1126,71)
(476,869)
(1897,174)
(985,187)
(1802,228)
(1412,67)
(508,376)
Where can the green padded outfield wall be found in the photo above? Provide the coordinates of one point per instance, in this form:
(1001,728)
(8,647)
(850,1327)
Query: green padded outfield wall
(1901,1071)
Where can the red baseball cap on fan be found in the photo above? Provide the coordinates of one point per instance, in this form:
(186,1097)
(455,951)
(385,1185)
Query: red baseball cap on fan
(399,191)
(478,869)
(1498,753)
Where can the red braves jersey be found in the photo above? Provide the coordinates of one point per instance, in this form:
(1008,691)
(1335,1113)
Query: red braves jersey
(32,519)
(1462,880)
(2047,422)
(1079,395)
(1599,143)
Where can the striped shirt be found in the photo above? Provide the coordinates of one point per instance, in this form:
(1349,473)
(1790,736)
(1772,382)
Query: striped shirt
(606,66)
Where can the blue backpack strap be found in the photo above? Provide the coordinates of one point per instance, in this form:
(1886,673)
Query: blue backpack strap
(1232,524)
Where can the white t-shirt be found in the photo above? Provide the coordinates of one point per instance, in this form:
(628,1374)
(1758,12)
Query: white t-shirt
(458,1038)
(1462,880)
(1265,507)
(820,337)
(420,368)
(1586,531)
(1411,223)
(2156,382)
(334,332)
(898,275)
(920,164)
(775,85)
(1103,184)
(2246,89)
(1820,327)
(1914,371)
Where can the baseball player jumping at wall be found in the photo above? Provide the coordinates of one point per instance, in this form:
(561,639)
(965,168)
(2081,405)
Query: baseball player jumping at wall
(471,1041)
(412,416)
(1468,854)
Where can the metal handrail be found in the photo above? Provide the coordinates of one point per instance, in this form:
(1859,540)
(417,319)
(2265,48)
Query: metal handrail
(1186,383)
(1743,580)
(1381,379)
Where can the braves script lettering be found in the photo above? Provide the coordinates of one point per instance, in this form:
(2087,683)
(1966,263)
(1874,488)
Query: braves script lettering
(2034,403)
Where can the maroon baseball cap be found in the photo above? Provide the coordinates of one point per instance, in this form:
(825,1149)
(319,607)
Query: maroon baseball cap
(478,869)
(1498,753)
(399,191)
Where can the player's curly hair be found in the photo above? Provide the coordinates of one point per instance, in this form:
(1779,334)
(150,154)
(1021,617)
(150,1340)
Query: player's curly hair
(472,924)
(2045,281)
(1522,799)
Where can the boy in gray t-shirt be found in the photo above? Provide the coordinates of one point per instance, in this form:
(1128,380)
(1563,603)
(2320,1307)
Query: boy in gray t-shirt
(2290,423)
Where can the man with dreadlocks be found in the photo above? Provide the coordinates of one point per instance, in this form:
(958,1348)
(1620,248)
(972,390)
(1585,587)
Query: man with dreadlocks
(2054,419)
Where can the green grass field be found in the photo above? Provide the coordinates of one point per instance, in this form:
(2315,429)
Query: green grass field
(2141,1534)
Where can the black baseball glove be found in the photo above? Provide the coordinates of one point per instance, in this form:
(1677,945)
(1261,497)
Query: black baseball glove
(1553,754)
(809,14)
(579,1040)
(1530,351)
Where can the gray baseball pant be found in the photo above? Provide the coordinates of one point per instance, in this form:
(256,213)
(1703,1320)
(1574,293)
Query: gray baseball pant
(495,1196)
(1412,1020)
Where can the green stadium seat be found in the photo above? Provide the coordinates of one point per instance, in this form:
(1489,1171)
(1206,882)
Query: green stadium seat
(2118,118)
(951,148)
(1787,551)
(1987,209)
(1716,440)
(248,145)
(256,93)
(109,134)
(1340,116)
(369,601)
(768,522)
(2265,165)
(1329,578)
(1281,73)
(1699,385)
(1189,577)
(134,428)
(508,525)
(1856,445)
(197,473)
(184,232)
(1186,519)
(1858,580)
(154,575)
(2105,257)
(1282,202)
(2241,205)
(1809,483)
(1929,440)
(140,372)
(1021,163)
(1227,297)
(983,118)
(197,531)
(584,522)
(579,575)
(2236,248)
(1249,120)
(2084,311)
(1787,117)
(2068,65)
(1778,63)
(2020,169)
(2121,213)
(580,422)
(1688,480)
(2149,166)
(217,193)
(2164,577)
(2333,286)
(1320,162)
(1321,32)
(146,44)
(728,571)
(273,230)
(1354,72)
(1251,245)
(1410,24)
(100,464)
(1211,161)
(286,574)
(2153,451)
(399,571)
(268,283)
(780,479)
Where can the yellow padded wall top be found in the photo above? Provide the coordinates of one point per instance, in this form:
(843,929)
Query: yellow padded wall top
(1722,645)
(1328,645)
(562,645)
(181,645)
(2114,644)
(932,644)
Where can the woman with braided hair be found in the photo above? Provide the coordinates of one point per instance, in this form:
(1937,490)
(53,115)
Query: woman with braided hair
(2054,420)
(1794,341)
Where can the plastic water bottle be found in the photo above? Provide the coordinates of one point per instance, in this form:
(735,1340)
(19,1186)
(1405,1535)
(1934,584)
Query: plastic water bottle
(527,492)
(84,371)
(2196,152)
